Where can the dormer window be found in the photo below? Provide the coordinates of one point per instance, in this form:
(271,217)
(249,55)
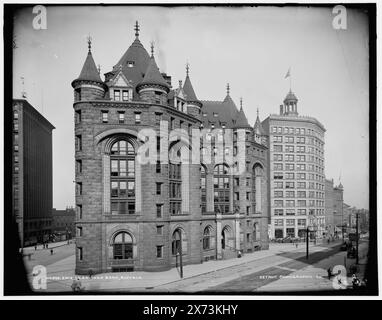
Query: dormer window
(216,114)
(204,114)
(127,95)
(130,64)
(117,95)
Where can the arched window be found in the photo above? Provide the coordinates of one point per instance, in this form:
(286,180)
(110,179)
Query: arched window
(221,188)
(226,238)
(179,242)
(203,188)
(207,235)
(123,246)
(256,232)
(122,177)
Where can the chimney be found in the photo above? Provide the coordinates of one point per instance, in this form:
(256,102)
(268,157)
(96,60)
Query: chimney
(281,109)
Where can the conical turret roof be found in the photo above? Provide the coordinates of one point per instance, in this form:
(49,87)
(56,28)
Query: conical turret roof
(241,119)
(153,76)
(189,90)
(258,126)
(89,70)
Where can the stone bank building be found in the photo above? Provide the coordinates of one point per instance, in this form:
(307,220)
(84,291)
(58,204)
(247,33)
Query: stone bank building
(132,215)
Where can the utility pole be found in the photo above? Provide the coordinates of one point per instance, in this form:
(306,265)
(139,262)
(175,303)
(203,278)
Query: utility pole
(307,243)
(356,239)
(342,202)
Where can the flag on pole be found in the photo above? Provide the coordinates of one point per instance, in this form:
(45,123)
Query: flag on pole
(288,74)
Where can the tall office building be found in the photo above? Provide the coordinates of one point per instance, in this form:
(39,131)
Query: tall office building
(32,173)
(296,172)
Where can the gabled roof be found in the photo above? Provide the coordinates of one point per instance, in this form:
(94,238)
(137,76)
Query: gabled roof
(153,76)
(89,70)
(241,120)
(189,90)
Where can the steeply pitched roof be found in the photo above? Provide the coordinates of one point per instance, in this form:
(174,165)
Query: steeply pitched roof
(189,90)
(153,76)
(241,120)
(89,70)
(219,112)
(259,127)
(140,59)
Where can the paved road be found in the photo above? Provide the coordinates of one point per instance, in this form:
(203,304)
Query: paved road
(217,280)
(255,281)
(43,256)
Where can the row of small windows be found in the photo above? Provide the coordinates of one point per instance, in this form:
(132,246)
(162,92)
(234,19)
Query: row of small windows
(298,185)
(298,167)
(290,222)
(300,203)
(300,212)
(292,130)
(299,149)
(105,118)
(298,194)
(299,158)
(297,176)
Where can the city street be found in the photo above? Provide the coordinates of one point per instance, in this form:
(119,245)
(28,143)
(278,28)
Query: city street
(281,268)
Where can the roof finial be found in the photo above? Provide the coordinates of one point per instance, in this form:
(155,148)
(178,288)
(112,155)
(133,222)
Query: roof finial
(89,42)
(241,103)
(257,112)
(152,49)
(227,89)
(187,68)
(136,28)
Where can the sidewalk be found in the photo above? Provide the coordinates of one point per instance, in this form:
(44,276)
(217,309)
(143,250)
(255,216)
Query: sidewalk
(61,273)
(51,245)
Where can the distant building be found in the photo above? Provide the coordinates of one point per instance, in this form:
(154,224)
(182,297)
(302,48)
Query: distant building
(296,171)
(63,221)
(329,208)
(338,206)
(32,173)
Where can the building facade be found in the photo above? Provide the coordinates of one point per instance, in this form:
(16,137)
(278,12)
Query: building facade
(147,198)
(296,172)
(338,207)
(63,222)
(32,173)
(329,208)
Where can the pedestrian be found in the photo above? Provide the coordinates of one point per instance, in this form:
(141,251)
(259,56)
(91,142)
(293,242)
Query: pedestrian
(329,273)
(296,244)
(356,282)
(76,285)
(47,246)
(35,247)
(51,251)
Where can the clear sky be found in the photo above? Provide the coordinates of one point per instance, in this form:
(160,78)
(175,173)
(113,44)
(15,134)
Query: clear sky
(251,48)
